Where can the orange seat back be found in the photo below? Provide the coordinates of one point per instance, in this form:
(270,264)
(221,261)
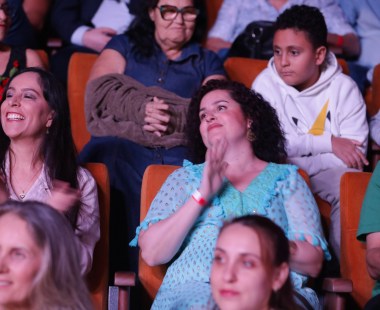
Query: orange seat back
(353,262)
(97,279)
(245,70)
(80,66)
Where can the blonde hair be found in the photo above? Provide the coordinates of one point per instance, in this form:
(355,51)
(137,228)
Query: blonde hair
(58,284)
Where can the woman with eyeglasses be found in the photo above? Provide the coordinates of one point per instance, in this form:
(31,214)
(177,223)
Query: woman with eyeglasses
(137,99)
(12,59)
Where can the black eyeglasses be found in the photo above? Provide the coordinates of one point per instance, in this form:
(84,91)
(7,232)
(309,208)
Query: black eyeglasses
(169,12)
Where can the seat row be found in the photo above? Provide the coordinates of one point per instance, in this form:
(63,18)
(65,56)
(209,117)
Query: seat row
(245,71)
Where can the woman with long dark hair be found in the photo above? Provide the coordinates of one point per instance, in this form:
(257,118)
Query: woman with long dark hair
(38,157)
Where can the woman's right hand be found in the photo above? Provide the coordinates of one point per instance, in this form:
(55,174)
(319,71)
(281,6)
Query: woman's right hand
(97,38)
(63,197)
(215,169)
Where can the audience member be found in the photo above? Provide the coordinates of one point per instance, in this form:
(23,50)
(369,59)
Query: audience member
(235,15)
(133,106)
(374,127)
(12,59)
(28,23)
(86,26)
(364,16)
(369,232)
(250,269)
(38,158)
(321,109)
(39,266)
(244,144)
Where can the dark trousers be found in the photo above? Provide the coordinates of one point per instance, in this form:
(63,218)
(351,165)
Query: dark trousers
(126,162)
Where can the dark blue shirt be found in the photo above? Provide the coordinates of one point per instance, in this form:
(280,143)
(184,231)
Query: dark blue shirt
(182,76)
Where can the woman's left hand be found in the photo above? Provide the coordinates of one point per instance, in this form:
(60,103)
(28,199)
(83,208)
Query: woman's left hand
(305,258)
(63,197)
(157,117)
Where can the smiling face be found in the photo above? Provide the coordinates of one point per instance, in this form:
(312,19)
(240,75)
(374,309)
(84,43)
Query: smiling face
(239,277)
(20,260)
(295,59)
(222,117)
(25,114)
(172,33)
(4,19)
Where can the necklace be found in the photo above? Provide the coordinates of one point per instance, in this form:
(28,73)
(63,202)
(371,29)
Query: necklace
(28,184)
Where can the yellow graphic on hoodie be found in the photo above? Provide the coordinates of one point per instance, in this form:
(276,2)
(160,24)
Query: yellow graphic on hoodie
(319,125)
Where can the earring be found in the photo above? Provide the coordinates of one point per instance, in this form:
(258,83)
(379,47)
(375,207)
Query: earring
(47,130)
(274,298)
(250,135)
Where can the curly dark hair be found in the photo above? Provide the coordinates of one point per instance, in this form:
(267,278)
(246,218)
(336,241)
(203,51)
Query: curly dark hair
(269,142)
(141,30)
(305,18)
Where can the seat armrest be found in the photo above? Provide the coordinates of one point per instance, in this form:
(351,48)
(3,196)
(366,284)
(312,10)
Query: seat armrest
(124,280)
(337,285)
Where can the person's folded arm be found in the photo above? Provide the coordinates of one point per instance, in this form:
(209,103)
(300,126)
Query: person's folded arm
(109,61)
(307,244)
(36,11)
(305,258)
(373,255)
(162,240)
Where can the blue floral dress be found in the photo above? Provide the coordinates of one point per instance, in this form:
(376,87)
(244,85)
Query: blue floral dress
(278,192)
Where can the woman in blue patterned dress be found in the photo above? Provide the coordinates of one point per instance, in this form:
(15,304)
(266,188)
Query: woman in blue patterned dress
(243,146)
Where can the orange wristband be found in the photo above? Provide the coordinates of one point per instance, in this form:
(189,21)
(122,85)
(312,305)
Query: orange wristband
(340,41)
(197,196)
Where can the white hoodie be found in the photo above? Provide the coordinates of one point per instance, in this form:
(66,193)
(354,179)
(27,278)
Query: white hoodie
(337,101)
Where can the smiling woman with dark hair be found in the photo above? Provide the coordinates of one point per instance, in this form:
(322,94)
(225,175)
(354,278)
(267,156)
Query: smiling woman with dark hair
(38,157)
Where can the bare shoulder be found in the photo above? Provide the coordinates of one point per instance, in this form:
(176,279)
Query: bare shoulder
(33,59)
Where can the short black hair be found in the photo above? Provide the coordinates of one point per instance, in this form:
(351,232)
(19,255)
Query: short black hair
(141,30)
(304,18)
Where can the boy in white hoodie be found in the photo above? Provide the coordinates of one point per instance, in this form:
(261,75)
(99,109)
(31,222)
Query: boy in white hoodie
(321,109)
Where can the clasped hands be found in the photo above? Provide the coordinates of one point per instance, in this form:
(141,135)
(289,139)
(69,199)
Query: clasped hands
(214,172)
(157,117)
(348,150)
